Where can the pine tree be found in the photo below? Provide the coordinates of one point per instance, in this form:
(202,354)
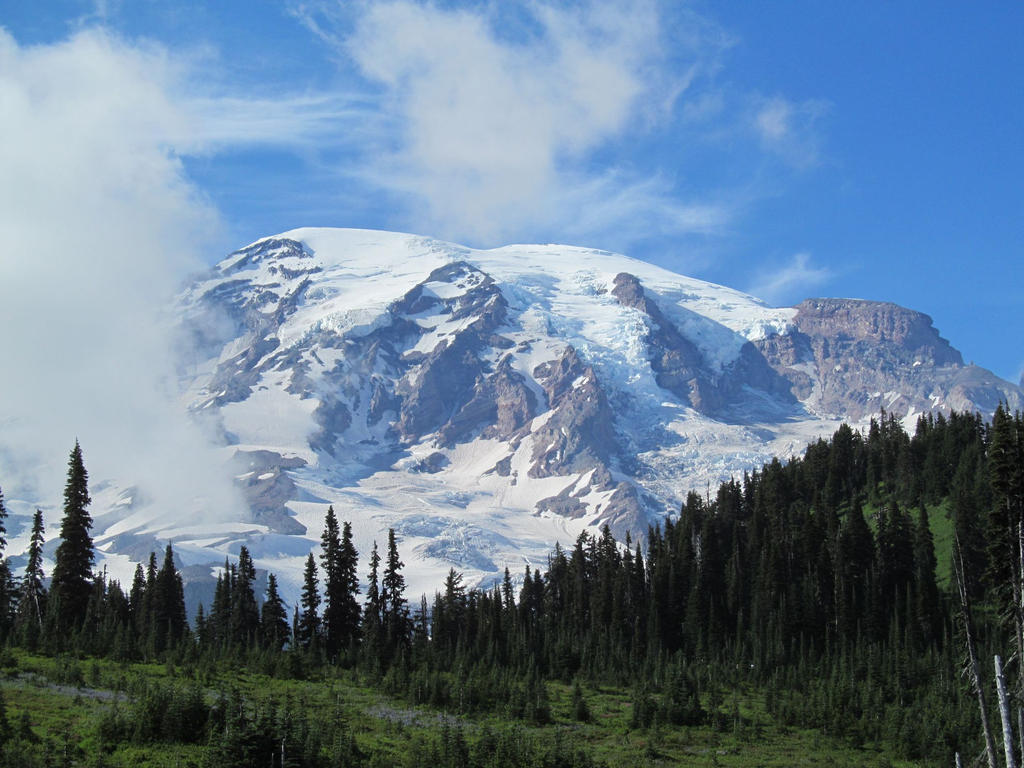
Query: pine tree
(219,621)
(72,573)
(245,617)
(309,620)
(395,610)
(1005,514)
(330,559)
(373,611)
(854,560)
(32,600)
(3,524)
(8,589)
(169,620)
(146,613)
(967,505)
(273,617)
(349,576)
(927,607)
(136,597)
(202,629)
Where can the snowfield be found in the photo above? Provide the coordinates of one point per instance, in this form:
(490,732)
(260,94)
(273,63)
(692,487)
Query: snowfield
(414,384)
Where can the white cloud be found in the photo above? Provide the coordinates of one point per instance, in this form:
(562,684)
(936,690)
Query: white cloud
(310,121)
(789,283)
(638,209)
(482,132)
(773,120)
(492,136)
(789,129)
(99,223)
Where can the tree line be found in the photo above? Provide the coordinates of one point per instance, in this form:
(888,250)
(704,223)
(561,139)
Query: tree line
(813,580)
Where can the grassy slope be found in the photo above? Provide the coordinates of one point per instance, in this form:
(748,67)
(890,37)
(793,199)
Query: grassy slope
(65,716)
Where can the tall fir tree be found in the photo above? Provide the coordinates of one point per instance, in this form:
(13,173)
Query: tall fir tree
(330,560)
(927,608)
(245,617)
(1004,459)
(349,575)
(72,572)
(219,621)
(146,613)
(372,611)
(8,590)
(169,621)
(340,561)
(32,597)
(273,617)
(395,609)
(136,596)
(3,523)
(309,619)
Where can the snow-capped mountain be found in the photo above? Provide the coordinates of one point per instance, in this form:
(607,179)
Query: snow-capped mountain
(488,403)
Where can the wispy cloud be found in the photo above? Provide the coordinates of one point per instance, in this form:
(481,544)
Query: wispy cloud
(491,135)
(789,129)
(791,282)
(228,121)
(625,210)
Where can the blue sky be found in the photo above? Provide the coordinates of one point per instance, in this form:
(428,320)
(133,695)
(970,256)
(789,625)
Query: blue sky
(790,149)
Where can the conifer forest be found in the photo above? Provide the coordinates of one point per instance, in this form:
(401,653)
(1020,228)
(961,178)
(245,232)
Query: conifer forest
(862,604)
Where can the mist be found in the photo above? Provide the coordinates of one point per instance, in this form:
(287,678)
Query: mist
(100,225)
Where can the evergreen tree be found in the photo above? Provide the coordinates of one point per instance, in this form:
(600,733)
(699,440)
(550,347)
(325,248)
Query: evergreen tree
(855,559)
(927,607)
(373,611)
(202,629)
(136,597)
(8,589)
(3,523)
(330,559)
(169,620)
(245,617)
(219,621)
(967,503)
(395,610)
(1004,460)
(349,576)
(32,600)
(72,573)
(273,617)
(309,619)
(145,617)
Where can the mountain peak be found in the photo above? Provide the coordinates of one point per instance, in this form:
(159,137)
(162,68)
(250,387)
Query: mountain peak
(487,403)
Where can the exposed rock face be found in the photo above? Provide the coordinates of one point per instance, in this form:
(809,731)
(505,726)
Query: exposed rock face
(500,406)
(578,435)
(853,358)
(266,485)
(865,325)
(680,368)
(487,403)
(444,380)
(676,361)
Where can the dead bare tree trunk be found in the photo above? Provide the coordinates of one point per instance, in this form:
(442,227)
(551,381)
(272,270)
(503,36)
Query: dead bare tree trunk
(1020,732)
(1020,633)
(1004,714)
(973,669)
